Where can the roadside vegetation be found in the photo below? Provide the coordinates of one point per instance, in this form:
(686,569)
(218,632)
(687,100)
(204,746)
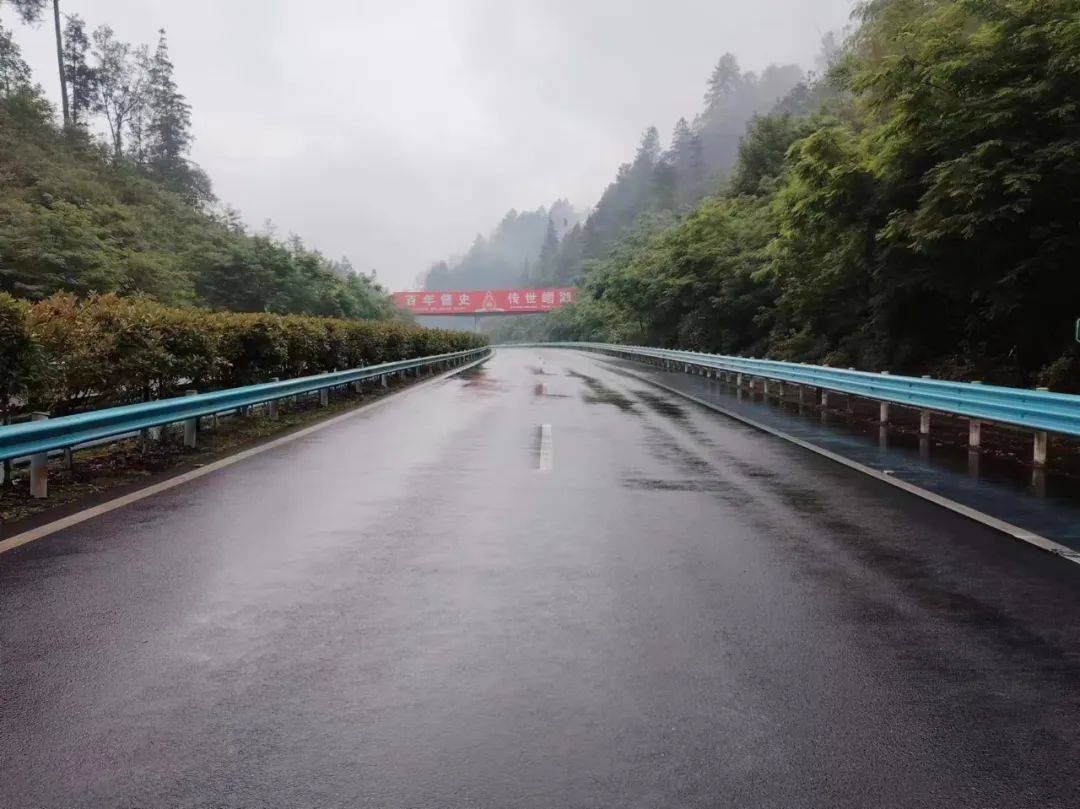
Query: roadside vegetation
(913,207)
(109,200)
(64,354)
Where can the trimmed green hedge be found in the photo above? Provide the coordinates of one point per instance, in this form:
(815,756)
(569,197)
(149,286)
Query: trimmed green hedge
(64,354)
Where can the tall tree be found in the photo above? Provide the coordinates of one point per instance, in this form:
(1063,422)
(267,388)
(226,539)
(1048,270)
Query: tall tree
(723,83)
(665,184)
(14,72)
(168,121)
(687,160)
(80,76)
(121,84)
(549,248)
(60,63)
(648,149)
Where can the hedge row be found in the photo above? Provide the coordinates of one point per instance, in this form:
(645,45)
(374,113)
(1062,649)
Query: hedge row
(63,354)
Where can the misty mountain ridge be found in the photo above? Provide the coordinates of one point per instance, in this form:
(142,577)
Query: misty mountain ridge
(507,254)
(551,246)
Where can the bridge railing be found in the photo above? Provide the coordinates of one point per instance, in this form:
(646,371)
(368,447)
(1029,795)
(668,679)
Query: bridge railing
(34,439)
(1039,410)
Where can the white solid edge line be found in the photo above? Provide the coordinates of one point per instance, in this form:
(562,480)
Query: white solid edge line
(45,530)
(547,450)
(1015,531)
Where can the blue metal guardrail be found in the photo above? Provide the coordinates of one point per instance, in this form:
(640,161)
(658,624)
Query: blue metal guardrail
(30,438)
(1034,409)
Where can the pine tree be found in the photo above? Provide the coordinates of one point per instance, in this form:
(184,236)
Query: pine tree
(665,185)
(549,248)
(648,149)
(722,84)
(80,76)
(168,125)
(688,161)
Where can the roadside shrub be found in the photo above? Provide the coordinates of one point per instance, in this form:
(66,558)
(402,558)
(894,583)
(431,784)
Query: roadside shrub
(65,354)
(18,353)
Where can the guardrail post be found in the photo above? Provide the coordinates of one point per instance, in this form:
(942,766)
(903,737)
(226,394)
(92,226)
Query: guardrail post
(382,379)
(151,435)
(974,434)
(824,399)
(883,413)
(324,397)
(924,422)
(39,467)
(272,406)
(190,425)
(357,387)
(1042,444)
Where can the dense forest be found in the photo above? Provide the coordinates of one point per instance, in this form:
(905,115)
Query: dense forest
(127,211)
(913,208)
(520,245)
(551,247)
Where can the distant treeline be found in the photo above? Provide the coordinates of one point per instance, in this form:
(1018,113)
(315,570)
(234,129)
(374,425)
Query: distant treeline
(513,254)
(131,213)
(62,354)
(913,209)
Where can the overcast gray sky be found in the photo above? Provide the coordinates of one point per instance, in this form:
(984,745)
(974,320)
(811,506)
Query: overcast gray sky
(393,131)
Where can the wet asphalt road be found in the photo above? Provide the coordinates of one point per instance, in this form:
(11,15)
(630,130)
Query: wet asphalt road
(402,610)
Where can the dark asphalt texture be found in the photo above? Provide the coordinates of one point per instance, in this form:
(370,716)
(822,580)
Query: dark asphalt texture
(402,610)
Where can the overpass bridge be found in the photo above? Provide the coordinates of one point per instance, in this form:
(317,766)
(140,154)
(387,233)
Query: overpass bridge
(542,581)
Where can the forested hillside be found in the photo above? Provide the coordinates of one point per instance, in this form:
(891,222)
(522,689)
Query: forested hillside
(915,209)
(127,211)
(520,244)
(552,247)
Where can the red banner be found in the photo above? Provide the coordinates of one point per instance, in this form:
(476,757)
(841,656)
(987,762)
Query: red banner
(484,301)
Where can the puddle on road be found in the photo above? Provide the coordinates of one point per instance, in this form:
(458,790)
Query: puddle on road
(670,485)
(661,405)
(599,393)
(478,380)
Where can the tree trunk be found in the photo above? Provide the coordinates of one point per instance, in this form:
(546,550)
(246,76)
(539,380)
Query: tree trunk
(60,63)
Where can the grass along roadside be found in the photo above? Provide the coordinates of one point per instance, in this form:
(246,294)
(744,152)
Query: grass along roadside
(128,464)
